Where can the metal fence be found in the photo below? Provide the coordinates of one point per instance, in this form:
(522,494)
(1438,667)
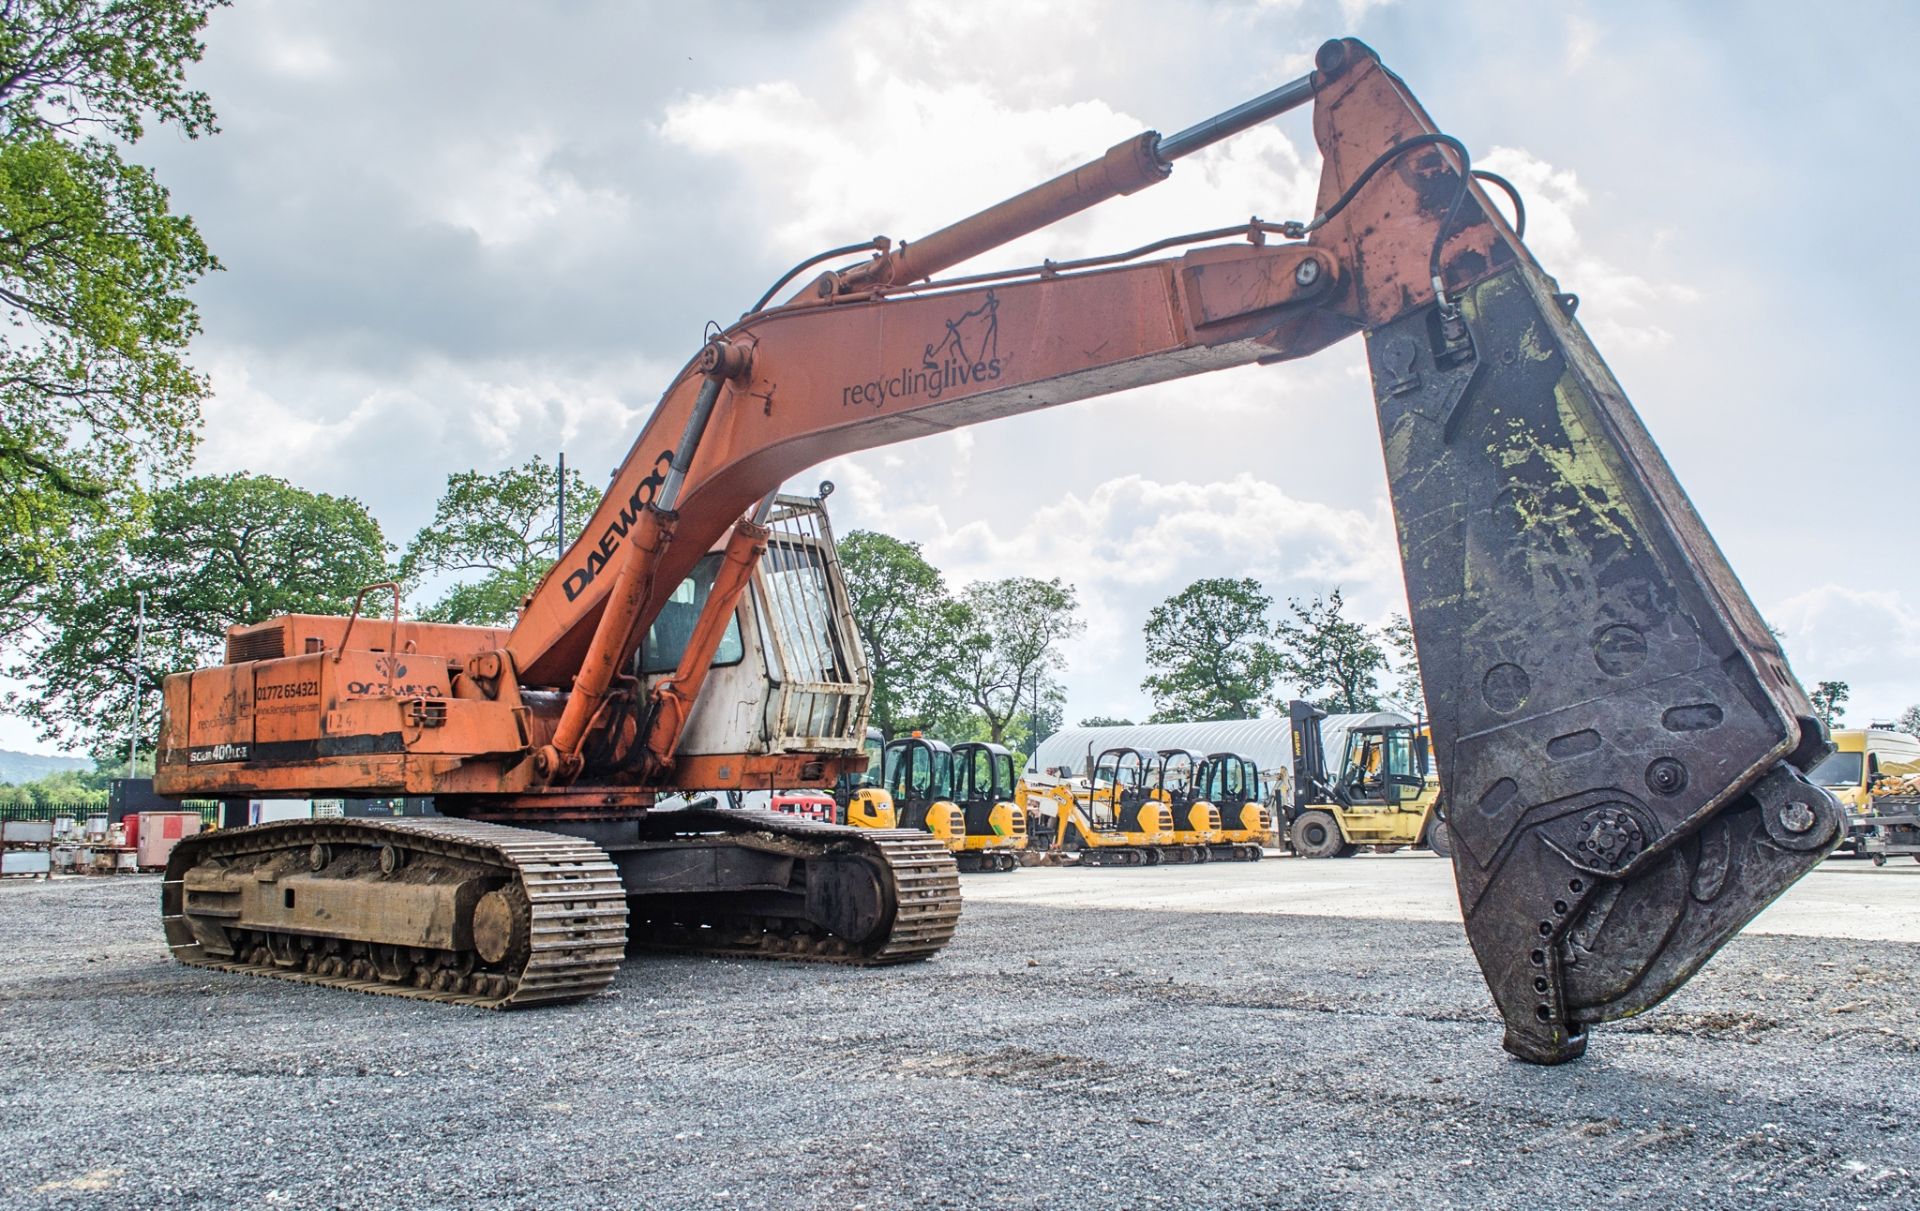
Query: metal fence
(80,809)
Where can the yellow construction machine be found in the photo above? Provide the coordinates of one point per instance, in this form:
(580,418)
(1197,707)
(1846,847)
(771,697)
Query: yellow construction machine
(1107,819)
(860,799)
(1232,784)
(1173,776)
(996,826)
(1385,795)
(918,773)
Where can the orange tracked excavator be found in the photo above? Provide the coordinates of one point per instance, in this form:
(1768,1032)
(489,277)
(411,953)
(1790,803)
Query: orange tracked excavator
(1623,740)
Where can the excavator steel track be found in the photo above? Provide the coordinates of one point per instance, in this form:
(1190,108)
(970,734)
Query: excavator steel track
(921,884)
(987,861)
(569,907)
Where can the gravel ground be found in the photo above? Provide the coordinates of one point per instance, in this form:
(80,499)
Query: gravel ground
(1051,1057)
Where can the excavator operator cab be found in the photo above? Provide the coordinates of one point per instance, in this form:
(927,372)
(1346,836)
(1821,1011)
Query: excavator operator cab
(983,789)
(875,748)
(1121,786)
(982,773)
(862,798)
(1180,772)
(918,769)
(1175,775)
(918,773)
(1229,778)
(786,675)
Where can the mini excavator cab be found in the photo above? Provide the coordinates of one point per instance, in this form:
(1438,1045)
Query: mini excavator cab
(1175,775)
(919,776)
(1119,787)
(983,789)
(1232,784)
(862,798)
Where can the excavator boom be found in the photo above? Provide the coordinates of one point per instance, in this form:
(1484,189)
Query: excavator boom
(1621,738)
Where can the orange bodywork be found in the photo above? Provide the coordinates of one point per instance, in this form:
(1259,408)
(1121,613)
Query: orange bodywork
(861,358)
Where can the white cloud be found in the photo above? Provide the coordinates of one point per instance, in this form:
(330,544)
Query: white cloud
(1868,638)
(1131,542)
(392,441)
(300,55)
(507,195)
(1622,309)
(907,151)
(1352,12)
(1583,38)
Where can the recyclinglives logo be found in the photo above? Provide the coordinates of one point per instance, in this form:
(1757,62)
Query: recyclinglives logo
(967,356)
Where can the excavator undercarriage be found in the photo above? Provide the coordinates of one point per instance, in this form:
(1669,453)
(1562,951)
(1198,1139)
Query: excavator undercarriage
(484,914)
(1621,739)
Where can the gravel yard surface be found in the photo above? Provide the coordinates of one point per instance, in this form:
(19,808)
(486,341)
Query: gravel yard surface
(1052,1057)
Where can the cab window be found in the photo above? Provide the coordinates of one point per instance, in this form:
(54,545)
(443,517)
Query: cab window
(670,633)
(1400,754)
(1839,769)
(979,777)
(1233,781)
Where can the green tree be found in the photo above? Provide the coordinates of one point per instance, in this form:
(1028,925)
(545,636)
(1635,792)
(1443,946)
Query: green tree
(1830,701)
(95,389)
(1036,720)
(910,626)
(498,530)
(213,552)
(1210,650)
(1009,644)
(1105,721)
(1909,721)
(1330,659)
(68,788)
(1406,694)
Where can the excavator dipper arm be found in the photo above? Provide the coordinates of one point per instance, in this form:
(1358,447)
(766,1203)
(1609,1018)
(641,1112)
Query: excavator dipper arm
(1620,738)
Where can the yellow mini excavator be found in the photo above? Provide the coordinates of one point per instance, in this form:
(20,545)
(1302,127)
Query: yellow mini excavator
(1112,821)
(860,799)
(1173,776)
(1232,784)
(996,826)
(919,778)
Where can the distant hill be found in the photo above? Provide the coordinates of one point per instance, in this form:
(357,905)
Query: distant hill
(31,767)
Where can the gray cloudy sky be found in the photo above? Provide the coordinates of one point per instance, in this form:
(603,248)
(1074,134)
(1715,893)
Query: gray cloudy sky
(460,234)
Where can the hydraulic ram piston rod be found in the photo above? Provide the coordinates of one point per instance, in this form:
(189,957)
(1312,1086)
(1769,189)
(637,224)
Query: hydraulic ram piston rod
(1126,168)
(1237,119)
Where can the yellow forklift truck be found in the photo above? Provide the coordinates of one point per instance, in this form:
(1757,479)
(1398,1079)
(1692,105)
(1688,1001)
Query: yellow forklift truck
(1112,821)
(1232,784)
(1174,777)
(859,799)
(918,774)
(1385,794)
(996,827)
